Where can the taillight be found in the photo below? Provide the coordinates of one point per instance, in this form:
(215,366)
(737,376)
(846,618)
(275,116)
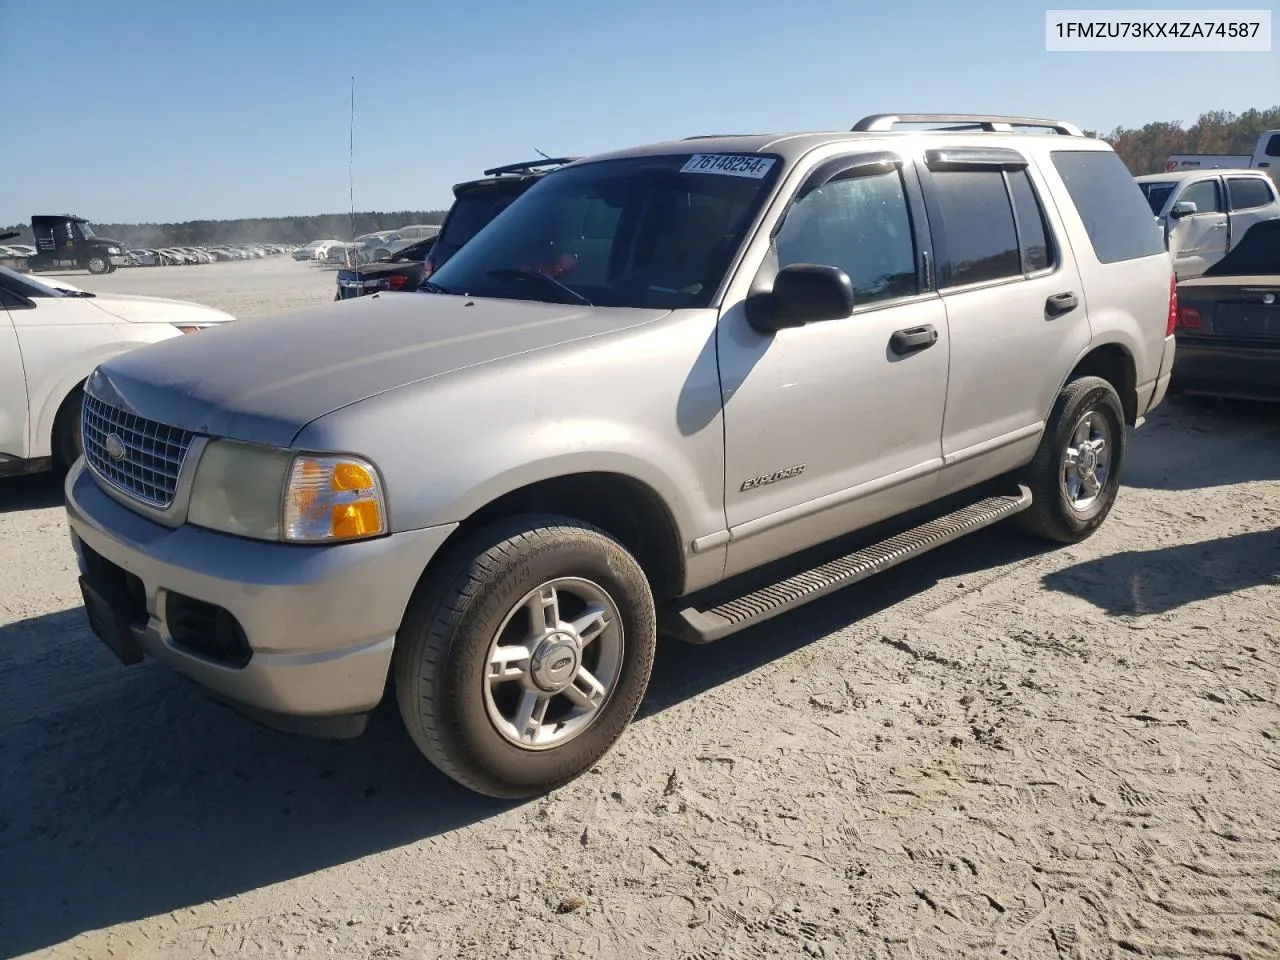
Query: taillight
(1173,306)
(397,281)
(1189,318)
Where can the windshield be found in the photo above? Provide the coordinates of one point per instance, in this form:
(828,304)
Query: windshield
(1157,194)
(27,285)
(647,232)
(86,230)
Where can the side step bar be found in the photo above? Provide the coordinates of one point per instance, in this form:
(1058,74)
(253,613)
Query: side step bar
(704,626)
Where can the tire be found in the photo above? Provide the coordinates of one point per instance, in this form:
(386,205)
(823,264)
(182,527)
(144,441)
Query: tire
(98,264)
(68,443)
(381,254)
(459,720)
(1058,512)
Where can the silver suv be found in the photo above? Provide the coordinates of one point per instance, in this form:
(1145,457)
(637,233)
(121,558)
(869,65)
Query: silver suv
(626,407)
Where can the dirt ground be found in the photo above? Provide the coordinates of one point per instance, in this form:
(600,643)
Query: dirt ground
(994,751)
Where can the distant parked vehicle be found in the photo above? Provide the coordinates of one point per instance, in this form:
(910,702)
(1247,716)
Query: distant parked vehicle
(67,242)
(1205,213)
(404,270)
(1265,156)
(1228,329)
(51,339)
(477,202)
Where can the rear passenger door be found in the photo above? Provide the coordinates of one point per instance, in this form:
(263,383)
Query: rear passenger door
(1252,200)
(1015,305)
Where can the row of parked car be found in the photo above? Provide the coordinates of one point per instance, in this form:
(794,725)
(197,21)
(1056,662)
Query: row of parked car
(368,247)
(179,256)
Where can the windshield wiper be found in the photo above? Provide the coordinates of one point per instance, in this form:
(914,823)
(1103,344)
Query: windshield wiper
(430,287)
(512,273)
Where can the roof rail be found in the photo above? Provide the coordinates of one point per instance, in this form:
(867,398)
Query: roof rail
(991,123)
(530,165)
(714,136)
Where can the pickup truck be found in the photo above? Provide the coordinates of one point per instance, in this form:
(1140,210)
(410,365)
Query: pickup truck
(1205,213)
(1265,156)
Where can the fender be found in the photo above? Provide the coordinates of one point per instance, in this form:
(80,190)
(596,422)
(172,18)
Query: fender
(46,396)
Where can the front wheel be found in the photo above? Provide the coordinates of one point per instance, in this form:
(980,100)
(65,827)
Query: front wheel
(1075,476)
(521,664)
(98,264)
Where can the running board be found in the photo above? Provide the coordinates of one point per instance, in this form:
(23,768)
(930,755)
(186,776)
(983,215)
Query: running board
(704,626)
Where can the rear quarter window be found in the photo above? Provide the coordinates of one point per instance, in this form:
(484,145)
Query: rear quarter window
(1115,213)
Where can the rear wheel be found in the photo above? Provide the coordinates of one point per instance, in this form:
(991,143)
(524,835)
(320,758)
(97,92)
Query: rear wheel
(521,664)
(1075,476)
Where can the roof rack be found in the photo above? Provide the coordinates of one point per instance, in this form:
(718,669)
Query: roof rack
(991,123)
(530,165)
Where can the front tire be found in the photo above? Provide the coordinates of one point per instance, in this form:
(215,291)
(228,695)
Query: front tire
(68,444)
(1075,476)
(98,264)
(520,664)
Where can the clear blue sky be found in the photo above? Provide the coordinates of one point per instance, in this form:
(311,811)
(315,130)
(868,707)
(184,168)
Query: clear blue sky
(178,110)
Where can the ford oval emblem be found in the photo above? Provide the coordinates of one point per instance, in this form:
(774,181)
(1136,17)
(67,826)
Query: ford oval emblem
(115,447)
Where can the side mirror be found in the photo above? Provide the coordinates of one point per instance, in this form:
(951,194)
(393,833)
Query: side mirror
(1182,208)
(802,293)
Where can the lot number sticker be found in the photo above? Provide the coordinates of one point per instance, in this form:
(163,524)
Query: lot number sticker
(728,165)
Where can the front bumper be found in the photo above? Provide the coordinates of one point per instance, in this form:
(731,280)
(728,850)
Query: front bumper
(1227,368)
(119,260)
(317,623)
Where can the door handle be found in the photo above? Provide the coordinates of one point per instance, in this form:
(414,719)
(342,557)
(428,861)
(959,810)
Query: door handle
(1061,303)
(914,339)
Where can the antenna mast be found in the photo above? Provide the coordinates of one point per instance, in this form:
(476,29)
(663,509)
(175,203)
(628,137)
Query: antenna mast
(351,153)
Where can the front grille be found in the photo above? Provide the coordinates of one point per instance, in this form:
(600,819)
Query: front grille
(151,453)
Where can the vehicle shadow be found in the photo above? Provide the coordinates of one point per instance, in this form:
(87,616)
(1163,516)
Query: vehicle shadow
(37,491)
(127,794)
(1141,582)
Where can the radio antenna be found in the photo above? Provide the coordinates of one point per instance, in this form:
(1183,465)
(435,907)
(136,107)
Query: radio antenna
(351,179)
(541,154)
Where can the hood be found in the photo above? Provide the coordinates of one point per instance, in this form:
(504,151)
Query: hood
(377,269)
(136,308)
(264,379)
(96,241)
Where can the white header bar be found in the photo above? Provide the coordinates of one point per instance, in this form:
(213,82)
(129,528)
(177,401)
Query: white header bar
(1158,31)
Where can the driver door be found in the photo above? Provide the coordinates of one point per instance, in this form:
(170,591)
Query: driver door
(1199,239)
(829,427)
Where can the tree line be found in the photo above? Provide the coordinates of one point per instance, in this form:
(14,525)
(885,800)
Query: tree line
(1143,150)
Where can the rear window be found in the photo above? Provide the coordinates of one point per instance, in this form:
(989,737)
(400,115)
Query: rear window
(471,213)
(1116,215)
(1248,192)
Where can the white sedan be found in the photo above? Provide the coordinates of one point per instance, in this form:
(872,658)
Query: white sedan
(51,339)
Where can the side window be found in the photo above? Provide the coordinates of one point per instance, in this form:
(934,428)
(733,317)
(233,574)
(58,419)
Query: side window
(1110,204)
(861,225)
(1205,195)
(1032,233)
(1273,146)
(977,225)
(1248,192)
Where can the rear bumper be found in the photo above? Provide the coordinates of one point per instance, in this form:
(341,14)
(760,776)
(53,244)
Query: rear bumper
(1227,368)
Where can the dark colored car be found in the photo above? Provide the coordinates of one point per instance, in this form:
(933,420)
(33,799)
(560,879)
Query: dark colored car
(475,204)
(1228,328)
(403,270)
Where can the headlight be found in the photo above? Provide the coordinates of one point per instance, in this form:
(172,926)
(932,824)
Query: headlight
(271,494)
(113,249)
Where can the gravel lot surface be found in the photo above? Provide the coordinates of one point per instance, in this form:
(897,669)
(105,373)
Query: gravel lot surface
(994,751)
